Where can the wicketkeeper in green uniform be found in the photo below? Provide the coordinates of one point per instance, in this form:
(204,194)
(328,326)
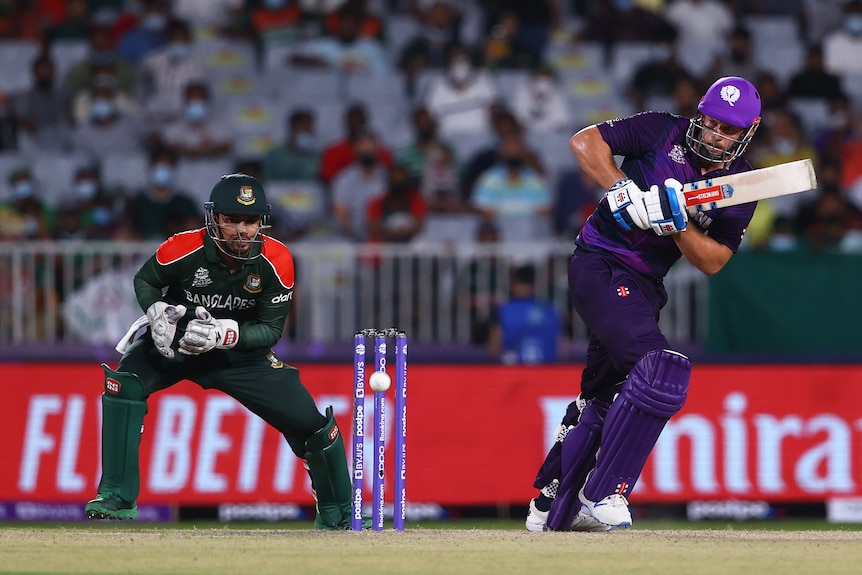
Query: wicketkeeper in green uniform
(227,291)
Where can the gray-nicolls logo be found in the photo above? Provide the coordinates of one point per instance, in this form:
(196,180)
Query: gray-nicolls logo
(202,278)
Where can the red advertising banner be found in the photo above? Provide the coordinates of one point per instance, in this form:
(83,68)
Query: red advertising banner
(476,435)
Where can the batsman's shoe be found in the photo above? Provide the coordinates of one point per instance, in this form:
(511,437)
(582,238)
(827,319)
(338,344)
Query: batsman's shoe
(583,521)
(109,506)
(536,520)
(612,511)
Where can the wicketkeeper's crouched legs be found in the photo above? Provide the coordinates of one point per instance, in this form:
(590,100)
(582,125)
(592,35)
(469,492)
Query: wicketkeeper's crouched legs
(326,461)
(123,410)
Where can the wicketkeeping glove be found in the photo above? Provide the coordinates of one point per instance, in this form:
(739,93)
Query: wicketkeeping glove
(666,208)
(625,199)
(163,318)
(206,332)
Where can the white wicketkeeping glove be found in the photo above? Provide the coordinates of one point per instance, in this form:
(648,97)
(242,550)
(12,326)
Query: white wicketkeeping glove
(666,208)
(163,318)
(626,201)
(206,332)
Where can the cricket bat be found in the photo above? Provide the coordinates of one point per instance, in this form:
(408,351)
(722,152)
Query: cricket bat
(771,182)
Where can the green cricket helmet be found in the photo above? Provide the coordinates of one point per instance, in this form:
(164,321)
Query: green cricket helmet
(237,195)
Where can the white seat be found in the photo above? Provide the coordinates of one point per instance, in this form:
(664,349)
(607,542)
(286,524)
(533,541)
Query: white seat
(66,54)
(300,202)
(55,174)
(375,90)
(852,85)
(224,57)
(9,162)
(448,228)
(196,177)
(128,172)
(16,61)
(813,113)
(465,145)
(400,30)
(627,57)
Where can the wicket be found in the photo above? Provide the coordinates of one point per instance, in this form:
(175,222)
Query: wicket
(379,465)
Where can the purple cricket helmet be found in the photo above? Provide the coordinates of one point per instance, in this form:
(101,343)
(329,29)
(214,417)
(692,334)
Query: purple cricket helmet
(731,100)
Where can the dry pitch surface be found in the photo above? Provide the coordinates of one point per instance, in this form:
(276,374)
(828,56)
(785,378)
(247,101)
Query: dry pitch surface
(419,551)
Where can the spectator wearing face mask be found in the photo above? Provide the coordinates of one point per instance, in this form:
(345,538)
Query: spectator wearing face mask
(356,186)
(540,105)
(440,22)
(97,207)
(109,131)
(842,47)
(398,214)
(346,51)
(82,103)
(23,215)
(461,100)
(298,158)
(43,111)
(513,196)
(160,209)
(166,71)
(199,134)
(101,60)
(342,153)
(150,32)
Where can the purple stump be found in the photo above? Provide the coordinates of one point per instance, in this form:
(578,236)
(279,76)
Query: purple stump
(379,486)
(358,452)
(401,430)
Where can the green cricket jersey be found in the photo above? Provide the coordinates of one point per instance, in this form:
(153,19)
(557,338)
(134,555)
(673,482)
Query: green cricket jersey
(257,295)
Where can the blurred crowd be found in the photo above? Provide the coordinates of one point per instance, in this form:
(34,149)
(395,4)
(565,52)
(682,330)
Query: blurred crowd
(401,120)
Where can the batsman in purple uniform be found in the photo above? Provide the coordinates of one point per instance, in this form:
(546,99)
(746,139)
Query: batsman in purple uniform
(633,382)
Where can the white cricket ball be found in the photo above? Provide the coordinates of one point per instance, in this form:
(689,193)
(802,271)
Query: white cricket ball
(379,381)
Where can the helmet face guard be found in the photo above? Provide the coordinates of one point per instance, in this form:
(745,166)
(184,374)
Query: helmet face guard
(733,101)
(694,139)
(216,230)
(241,196)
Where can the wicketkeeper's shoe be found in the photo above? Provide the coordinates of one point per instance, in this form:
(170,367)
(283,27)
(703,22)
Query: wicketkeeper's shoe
(109,506)
(612,511)
(536,520)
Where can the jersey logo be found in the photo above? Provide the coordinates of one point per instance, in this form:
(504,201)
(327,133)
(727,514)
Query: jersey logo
(246,196)
(677,154)
(274,362)
(202,278)
(623,291)
(730,94)
(252,284)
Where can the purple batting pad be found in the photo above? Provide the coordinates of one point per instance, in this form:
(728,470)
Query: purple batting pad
(654,390)
(577,458)
(551,468)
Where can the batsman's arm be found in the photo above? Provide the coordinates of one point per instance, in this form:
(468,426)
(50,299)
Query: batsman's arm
(595,157)
(701,251)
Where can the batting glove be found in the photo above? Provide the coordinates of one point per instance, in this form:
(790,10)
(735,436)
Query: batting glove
(206,332)
(626,201)
(666,208)
(163,318)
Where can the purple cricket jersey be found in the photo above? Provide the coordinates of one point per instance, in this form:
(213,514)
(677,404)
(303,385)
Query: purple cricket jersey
(654,149)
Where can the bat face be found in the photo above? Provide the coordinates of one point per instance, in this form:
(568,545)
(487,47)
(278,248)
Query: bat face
(751,186)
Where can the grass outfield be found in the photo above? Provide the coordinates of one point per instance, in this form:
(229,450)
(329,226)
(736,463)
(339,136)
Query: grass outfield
(469,547)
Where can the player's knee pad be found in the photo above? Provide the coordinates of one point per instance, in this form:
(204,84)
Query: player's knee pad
(326,436)
(123,385)
(658,383)
(326,462)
